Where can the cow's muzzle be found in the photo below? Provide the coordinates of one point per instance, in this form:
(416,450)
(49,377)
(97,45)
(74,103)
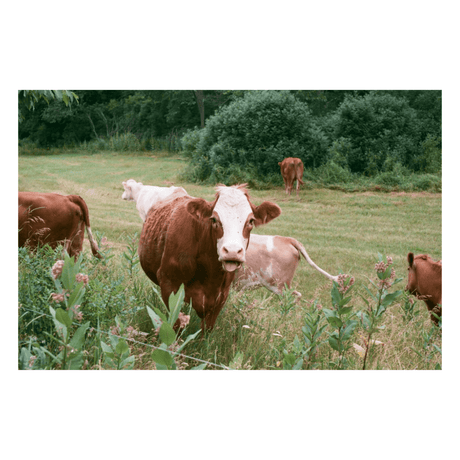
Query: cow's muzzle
(232,257)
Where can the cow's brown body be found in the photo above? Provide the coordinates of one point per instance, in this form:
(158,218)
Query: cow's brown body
(291,170)
(178,245)
(271,262)
(50,218)
(425,281)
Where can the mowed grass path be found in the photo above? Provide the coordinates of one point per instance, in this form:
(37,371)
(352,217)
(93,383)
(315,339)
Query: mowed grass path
(341,231)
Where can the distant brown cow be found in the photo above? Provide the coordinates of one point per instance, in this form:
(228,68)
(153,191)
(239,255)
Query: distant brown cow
(50,218)
(200,244)
(425,281)
(292,169)
(271,262)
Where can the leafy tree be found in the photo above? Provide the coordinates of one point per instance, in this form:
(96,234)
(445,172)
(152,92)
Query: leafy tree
(252,134)
(28,98)
(377,126)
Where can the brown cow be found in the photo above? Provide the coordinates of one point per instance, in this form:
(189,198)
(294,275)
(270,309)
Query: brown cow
(292,169)
(271,261)
(50,218)
(425,281)
(200,244)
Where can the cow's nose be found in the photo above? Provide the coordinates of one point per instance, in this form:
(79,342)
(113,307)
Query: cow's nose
(233,252)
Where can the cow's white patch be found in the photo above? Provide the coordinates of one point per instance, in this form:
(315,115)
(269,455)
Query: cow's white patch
(270,243)
(233,209)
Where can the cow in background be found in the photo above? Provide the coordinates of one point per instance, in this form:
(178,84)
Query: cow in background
(271,262)
(200,244)
(50,218)
(425,282)
(146,196)
(291,170)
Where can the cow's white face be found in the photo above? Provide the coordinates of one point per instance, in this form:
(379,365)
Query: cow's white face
(232,218)
(128,193)
(233,215)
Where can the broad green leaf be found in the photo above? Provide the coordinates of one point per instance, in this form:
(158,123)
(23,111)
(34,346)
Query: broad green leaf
(187,340)
(344,310)
(162,357)
(199,368)
(334,321)
(349,329)
(79,336)
(167,334)
(390,298)
(175,304)
(127,362)
(335,295)
(344,301)
(76,362)
(156,320)
(77,295)
(298,365)
(63,317)
(333,343)
(106,349)
(328,312)
(122,347)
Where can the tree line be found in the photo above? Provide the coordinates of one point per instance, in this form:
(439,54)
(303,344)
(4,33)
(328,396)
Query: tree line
(352,131)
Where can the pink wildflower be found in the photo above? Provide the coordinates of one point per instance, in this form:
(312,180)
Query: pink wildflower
(341,281)
(81,278)
(183,320)
(58,297)
(32,360)
(57,269)
(78,315)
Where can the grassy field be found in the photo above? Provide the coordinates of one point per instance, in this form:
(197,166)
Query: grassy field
(342,232)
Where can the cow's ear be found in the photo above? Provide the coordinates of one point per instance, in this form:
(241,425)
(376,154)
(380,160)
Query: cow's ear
(126,187)
(410,259)
(265,212)
(199,208)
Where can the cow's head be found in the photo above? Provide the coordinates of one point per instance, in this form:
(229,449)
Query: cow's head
(411,274)
(232,217)
(128,186)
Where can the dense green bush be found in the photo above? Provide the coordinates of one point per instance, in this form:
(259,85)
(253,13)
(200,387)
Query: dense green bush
(377,126)
(253,134)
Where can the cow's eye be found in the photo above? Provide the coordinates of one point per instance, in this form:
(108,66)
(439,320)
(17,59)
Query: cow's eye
(213,220)
(252,222)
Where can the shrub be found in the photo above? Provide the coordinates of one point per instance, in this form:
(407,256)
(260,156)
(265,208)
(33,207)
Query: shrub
(256,131)
(432,154)
(377,125)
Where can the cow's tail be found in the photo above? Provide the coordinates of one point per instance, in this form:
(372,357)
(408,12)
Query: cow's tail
(79,201)
(299,173)
(299,246)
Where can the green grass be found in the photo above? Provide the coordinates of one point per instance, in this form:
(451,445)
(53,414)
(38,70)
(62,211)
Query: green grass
(340,231)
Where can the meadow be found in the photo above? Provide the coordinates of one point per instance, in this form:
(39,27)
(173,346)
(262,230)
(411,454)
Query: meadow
(342,232)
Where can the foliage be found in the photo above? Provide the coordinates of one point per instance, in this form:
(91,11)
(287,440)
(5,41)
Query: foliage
(29,98)
(256,131)
(164,324)
(377,126)
(371,317)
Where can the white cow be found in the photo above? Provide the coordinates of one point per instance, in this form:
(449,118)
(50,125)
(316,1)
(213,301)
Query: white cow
(147,196)
(271,261)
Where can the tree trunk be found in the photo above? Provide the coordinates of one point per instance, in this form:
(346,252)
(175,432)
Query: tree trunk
(200,101)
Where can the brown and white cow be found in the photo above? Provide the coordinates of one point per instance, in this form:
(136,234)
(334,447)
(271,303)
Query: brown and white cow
(146,196)
(291,170)
(50,218)
(200,244)
(425,281)
(271,262)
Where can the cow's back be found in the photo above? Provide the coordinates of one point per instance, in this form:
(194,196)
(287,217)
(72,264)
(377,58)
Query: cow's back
(271,261)
(49,218)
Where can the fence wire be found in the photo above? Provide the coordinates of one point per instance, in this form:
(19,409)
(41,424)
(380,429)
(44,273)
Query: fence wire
(136,341)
